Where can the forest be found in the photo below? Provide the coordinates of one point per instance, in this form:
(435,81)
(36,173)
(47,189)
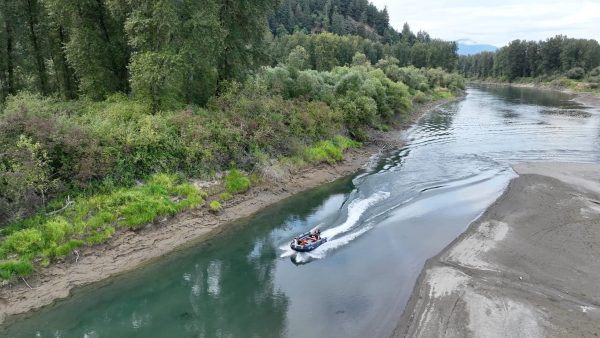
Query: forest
(110,107)
(556,57)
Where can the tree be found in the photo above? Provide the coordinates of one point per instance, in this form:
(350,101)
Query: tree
(244,25)
(408,36)
(176,46)
(96,48)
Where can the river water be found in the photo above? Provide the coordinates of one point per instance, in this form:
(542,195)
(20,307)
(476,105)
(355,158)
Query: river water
(382,223)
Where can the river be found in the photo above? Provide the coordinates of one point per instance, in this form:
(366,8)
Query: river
(382,223)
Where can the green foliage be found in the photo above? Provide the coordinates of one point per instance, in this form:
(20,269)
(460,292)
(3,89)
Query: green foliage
(12,268)
(327,51)
(329,151)
(536,59)
(576,73)
(357,17)
(94,219)
(52,148)
(226,196)
(236,182)
(594,75)
(215,206)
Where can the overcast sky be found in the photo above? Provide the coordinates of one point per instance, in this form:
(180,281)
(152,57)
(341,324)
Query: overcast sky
(497,22)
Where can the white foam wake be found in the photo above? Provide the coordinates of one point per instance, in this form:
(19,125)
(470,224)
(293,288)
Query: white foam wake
(355,210)
(342,234)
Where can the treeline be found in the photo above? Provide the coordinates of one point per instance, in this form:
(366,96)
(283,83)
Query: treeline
(557,56)
(327,50)
(343,17)
(162,51)
(172,53)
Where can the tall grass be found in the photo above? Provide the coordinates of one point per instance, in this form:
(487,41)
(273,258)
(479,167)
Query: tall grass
(92,220)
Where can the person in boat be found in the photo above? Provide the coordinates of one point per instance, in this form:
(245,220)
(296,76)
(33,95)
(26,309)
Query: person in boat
(316,235)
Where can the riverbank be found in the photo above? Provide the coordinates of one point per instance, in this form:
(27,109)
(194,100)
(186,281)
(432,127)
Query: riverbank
(130,250)
(526,268)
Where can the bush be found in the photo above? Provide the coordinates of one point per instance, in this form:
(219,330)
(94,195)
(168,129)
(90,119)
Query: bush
(236,183)
(594,76)
(225,197)
(576,73)
(215,206)
(326,151)
(10,269)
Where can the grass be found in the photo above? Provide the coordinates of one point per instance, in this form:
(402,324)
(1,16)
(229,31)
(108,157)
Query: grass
(329,151)
(215,206)
(236,182)
(92,220)
(225,197)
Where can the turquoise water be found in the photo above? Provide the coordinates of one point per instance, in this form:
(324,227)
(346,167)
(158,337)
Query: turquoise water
(383,223)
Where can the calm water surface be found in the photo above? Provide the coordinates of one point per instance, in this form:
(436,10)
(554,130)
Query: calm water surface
(382,223)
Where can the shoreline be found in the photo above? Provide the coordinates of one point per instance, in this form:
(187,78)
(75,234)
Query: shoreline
(523,268)
(129,250)
(590,99)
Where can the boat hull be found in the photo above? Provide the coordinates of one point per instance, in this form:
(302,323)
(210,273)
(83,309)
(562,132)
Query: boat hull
(308,247)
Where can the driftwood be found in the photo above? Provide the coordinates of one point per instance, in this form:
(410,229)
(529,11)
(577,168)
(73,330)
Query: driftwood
(25,281)
(68,204)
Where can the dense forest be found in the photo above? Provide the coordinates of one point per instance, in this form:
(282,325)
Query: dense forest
(547,60)
(354,17)
(172,52)
(110,107)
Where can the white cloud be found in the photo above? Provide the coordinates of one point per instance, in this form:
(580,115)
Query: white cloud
(496,22)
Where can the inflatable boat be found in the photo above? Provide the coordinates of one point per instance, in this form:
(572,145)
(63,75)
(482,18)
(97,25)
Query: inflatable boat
(304,242)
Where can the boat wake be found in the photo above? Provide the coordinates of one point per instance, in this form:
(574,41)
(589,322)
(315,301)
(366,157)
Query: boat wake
(342,234)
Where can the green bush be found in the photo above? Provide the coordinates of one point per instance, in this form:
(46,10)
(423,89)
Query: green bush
(324,151)
(225,197)
(594,76)
(12,268)
(236,183)
(215,206)
(576,73)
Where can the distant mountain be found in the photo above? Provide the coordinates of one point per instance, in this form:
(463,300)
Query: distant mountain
(469,47)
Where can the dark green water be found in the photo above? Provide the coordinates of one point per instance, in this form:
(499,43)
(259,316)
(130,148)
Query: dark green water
(383,223)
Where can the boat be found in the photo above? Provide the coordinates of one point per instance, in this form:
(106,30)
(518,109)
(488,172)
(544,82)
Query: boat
(310,244)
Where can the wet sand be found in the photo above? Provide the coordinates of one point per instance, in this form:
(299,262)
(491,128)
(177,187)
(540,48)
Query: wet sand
(129,250)
(528,267)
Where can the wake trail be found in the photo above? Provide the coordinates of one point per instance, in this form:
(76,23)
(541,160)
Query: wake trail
(342,234)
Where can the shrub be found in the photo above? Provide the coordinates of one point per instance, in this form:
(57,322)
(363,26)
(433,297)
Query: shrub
(10,269)
(324,151)
(215,206)
(24,242)
(594,76)
(576,73)
(236,183)
(225,197)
